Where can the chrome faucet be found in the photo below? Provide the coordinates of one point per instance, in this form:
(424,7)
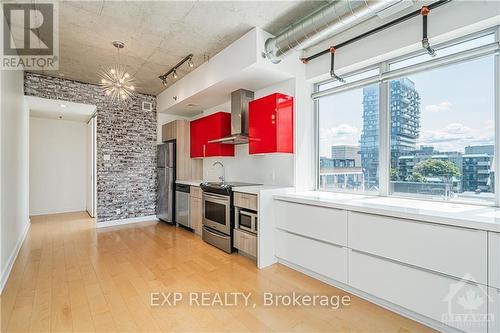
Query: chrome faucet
(223,177)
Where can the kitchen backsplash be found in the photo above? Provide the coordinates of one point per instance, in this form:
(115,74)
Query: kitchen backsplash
(269,169)
(126,145)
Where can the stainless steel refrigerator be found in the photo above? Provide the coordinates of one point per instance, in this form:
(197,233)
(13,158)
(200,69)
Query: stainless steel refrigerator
(165,195)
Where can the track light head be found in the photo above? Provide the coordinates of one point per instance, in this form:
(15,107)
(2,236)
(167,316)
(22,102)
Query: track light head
(190,62)
(174,75)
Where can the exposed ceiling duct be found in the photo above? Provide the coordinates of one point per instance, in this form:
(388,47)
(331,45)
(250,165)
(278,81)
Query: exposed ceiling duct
(324,23)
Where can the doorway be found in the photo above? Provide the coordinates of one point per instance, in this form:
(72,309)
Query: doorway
(62,162)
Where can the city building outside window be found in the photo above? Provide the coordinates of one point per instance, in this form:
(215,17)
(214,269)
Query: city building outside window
(440,131)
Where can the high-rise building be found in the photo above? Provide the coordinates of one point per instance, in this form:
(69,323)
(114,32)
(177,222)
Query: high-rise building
(405,125)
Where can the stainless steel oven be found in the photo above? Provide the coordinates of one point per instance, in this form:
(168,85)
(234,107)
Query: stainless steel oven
(217,212)
(246,220)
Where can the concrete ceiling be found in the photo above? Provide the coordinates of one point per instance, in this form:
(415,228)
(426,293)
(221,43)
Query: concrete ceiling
(158,34)
(56,109)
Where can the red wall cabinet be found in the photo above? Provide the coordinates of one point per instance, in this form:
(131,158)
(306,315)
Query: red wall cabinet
(270,128)
(211,127)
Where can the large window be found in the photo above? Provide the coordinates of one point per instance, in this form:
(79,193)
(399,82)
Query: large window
(440,127)
(348,140)
(442,132)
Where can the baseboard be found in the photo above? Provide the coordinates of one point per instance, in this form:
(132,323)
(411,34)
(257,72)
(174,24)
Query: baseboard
(12,258)
(434,324)
(114,223)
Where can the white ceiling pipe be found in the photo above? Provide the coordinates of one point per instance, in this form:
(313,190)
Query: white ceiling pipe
(323,24)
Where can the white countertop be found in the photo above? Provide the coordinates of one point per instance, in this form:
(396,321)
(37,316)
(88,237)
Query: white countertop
(455,214)
(256,189)
(192,182)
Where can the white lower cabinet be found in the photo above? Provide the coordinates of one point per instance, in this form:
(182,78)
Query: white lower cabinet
(322,223)
(494,260)
(454,251)
(319,257)
(494,310)
(433,295)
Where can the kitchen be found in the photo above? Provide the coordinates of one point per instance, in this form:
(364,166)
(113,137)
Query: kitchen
(224,212)
(261,172)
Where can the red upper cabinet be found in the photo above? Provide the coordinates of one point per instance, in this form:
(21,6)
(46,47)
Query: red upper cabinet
(211,127)
(270,122)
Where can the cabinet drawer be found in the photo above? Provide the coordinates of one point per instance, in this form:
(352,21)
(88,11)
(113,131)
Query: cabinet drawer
(245,242)
(494,260)
(196,191)
(494,310)
(449,250)
(319,257)
(327,224)
(245,200)
(429,294)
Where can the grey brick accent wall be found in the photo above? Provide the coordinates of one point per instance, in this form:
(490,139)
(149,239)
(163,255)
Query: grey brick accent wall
(126,184)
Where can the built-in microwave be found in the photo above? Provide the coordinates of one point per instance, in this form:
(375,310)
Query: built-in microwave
(246,219)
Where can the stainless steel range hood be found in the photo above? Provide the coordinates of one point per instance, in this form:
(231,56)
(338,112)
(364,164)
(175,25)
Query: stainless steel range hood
(239,118)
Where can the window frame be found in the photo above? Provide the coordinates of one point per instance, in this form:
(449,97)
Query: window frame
(385,116)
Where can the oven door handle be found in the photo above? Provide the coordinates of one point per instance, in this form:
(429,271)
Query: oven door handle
(216,196)
(218,201)
(215,233)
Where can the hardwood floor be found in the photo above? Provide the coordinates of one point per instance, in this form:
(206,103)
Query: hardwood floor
(70,276)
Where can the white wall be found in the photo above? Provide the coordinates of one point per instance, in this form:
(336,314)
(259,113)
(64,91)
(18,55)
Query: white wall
(14,168)
(91,190)
(269,169)
(58,166)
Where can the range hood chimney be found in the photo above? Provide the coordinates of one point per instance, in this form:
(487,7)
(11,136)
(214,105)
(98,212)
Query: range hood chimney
(239,118)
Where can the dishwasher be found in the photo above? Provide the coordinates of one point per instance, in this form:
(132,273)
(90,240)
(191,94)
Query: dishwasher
(182,205)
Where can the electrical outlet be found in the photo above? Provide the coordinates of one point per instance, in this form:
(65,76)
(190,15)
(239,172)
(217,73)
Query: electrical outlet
(118,211)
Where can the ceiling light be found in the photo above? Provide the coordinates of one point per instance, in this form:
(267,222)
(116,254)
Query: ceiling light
(115,81)
(173,70)
(63,105)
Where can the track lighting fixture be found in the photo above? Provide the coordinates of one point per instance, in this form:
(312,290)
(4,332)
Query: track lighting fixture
(173,70)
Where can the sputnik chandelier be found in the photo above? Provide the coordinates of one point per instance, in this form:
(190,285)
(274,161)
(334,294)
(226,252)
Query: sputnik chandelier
(116,82)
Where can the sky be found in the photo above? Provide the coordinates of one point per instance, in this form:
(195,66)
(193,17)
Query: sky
(457,109)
